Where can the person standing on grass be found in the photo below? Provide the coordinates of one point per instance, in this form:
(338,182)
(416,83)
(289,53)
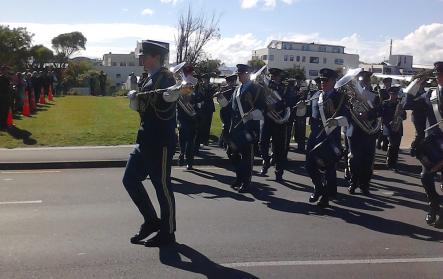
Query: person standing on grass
(5,97)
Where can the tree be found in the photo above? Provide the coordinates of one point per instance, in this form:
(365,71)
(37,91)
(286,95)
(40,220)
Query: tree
(67,44)
(193,33)
(14,46)
(296,72)
(256,64)
(208,66)
(76,73)
(40,55)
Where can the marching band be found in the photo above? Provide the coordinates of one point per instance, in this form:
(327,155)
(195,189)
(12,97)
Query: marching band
(264,108)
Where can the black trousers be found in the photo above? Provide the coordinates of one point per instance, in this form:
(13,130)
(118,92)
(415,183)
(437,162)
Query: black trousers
(393,148)
(300,132)
(325,181)
(434,199)
(187,137)
(157,164)
(361,159)
(204,128)
(243,159)
(278,133)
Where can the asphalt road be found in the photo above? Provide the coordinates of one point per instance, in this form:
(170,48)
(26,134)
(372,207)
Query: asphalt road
(77,224)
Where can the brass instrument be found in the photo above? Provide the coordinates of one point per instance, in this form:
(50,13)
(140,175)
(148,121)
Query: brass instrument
(221,99)
(398,115)
(356,102)
(271,98)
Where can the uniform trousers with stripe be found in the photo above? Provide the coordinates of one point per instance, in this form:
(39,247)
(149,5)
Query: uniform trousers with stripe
(242,159)
(157,165)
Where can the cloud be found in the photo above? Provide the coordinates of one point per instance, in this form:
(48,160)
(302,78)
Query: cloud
(147,12)
(122,39)
(125,10)
(267,4)
(173,2)
(424,43)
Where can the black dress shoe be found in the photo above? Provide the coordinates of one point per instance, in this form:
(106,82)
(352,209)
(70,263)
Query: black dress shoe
(189,167)
(160,240)
(430,218)
(439,222)
(243,188)
(351,189)
(279,177)
(441,186)
(314,197)
(323,203)
(264,169)
(365,191)
(146,230)
(181,161)
(236,185)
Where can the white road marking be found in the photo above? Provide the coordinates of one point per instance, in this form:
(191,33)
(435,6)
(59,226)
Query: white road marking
(333,262)
(20,202)
(30,172)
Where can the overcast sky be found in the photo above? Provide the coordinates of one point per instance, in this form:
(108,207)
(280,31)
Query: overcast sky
(364,27)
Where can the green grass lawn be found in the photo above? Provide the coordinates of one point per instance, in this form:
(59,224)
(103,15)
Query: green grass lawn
(80,120)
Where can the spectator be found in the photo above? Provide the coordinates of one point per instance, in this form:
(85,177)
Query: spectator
(5,97)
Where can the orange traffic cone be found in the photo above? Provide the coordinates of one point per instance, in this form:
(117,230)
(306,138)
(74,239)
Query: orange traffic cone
(50,96)
(33,104)
(9,119)
(42,97)
(26,111)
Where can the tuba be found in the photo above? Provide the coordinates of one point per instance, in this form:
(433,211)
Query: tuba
(357,103)
(271,98)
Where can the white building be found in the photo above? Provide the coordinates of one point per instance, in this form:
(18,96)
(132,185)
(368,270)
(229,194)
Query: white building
(308,56)
(119,66)
(396,65)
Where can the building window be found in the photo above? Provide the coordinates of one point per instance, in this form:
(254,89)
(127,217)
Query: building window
(114,64)
(305,47)
(313,73)
(298,58)
(271,57)
(122,64)
(291,58)
(335,49)
(286,58)
(314,60)
(339,61)
(303,59)
(118,75)
(325,60)
(322,49)
(264,57)
(131,64)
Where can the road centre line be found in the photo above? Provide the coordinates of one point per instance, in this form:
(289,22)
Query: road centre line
(20,202)
(333,262)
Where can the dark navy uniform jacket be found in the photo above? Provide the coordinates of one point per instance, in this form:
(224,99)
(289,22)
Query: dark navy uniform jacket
(251,98)
(429,112)
(206,91)
(332,98)
(158,121)
(225,113)
(388,111)
(419,107)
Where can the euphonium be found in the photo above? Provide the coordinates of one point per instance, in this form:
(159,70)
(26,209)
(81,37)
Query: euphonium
(356,102)
(272,97)
(184,100)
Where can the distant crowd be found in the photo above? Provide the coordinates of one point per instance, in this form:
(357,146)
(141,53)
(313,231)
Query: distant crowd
(28,88)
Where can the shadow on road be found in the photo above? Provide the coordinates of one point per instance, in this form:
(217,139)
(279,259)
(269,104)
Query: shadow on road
(197,263)
(379,224)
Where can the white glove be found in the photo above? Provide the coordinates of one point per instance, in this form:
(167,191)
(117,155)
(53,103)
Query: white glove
(171,96)
(133,100)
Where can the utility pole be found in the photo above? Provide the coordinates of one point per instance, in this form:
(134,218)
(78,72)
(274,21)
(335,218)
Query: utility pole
(390,49)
